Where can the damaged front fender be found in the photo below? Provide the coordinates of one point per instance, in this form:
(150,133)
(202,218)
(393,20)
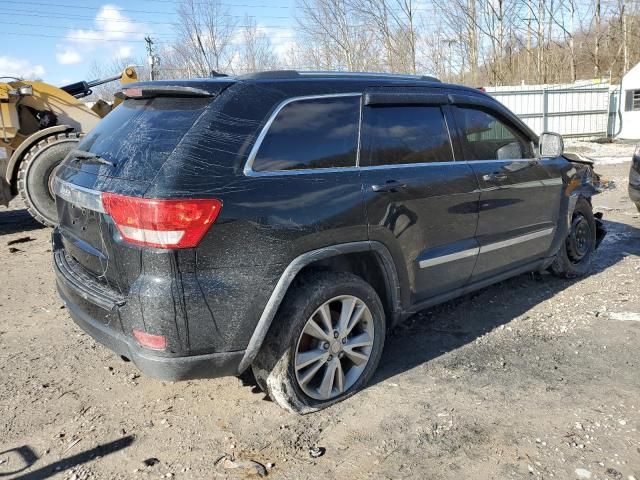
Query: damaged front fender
(582,181)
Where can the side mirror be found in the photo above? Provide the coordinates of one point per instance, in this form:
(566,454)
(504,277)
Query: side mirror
(551,145)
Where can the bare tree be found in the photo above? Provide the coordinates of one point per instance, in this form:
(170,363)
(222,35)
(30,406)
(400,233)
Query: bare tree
(393,24)
(625,35)
(598,33)
(460,27)
(479,42)
(205,37)
(256,51)
(334,35)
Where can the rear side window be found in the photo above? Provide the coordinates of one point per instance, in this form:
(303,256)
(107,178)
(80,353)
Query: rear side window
(139,135)
(396,135)
(311,133)
(485,137)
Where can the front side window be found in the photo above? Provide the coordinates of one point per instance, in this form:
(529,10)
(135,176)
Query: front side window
(485,137)
(311,133)
(405,134)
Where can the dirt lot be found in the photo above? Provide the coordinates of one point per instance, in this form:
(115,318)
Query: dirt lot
(533,378)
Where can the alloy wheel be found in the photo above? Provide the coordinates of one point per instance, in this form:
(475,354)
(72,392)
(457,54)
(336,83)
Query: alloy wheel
(334,347)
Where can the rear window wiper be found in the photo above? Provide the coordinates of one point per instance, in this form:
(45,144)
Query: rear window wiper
(92,157)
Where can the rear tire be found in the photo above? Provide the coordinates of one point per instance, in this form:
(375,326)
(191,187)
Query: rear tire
(304,370)
(575,257)
(36,169)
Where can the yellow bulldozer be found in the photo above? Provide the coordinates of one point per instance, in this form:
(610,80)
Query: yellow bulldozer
(39,125)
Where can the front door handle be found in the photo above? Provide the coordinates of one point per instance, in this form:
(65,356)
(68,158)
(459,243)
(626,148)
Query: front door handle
(389,186)
(494,177)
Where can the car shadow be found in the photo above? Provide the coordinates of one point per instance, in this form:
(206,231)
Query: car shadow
(451,325)
(15,221)
(25,457)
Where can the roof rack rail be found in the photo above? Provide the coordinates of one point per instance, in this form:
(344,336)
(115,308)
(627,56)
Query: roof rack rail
(369,74)
(290,74)
(270,74)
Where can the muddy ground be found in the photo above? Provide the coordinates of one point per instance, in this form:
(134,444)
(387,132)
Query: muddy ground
(536,377)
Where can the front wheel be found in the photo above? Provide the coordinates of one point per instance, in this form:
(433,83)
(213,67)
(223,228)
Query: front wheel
(325,343)
(575,257)
(36,172)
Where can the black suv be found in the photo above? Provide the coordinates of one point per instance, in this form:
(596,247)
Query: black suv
(284,221)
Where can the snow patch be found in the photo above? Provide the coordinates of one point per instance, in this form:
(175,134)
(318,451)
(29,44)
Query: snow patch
(625,316)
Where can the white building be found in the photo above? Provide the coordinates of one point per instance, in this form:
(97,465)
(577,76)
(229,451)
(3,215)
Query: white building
(630,105)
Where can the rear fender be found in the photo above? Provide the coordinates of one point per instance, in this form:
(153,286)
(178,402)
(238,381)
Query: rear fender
(11,174)
(298,264)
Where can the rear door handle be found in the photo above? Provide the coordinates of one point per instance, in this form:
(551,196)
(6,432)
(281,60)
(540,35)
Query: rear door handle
(389,186)
(494,177)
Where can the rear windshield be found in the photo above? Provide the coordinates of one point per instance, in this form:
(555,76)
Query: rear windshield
(139,135)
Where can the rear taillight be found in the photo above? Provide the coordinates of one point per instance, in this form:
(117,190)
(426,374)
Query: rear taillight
(162,223)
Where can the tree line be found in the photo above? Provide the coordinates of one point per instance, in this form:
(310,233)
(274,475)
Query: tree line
(476,42)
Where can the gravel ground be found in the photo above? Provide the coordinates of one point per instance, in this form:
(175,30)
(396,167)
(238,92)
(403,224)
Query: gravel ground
(535,377)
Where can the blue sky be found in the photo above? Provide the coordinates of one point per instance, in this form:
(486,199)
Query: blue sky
(59,40)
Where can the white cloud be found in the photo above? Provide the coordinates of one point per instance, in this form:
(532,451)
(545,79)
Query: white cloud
(68,57)
(14,67)
(124,51)
(111,25)
(282,39)
(112,32)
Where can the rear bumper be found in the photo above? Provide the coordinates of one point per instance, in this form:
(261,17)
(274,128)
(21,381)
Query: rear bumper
(163,368)
(98,312)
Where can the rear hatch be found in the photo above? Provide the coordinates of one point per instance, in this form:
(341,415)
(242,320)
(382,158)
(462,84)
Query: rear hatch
(122,155)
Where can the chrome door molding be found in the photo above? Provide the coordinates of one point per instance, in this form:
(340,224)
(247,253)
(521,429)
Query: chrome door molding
(452,257)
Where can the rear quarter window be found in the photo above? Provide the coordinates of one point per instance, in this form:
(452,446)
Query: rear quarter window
(139,135)
(311,133)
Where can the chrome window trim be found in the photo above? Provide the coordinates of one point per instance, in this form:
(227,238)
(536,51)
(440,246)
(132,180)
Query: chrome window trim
(446,124)
(452,257)
(360,119)
(509,160)
(374,167)
(409,165)
(307,171)
(248,166)
(80,196)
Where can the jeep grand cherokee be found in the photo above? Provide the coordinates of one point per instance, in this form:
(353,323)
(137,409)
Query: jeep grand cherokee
(284,221)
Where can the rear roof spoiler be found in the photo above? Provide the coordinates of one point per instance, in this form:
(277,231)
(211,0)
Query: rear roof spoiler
(149,91)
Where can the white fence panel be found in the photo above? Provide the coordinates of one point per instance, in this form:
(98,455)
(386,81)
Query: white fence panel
(574,110)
